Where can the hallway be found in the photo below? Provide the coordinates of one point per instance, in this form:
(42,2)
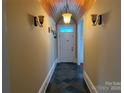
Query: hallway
(67,78)
(45,43)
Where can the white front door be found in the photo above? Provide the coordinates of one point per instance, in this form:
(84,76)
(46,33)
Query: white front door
(66,43)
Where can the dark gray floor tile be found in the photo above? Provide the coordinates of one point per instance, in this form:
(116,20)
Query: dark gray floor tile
(67,78)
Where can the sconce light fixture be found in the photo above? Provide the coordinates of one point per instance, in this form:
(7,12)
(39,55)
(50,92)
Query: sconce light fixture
(55,35)
(38,21)
(96,19)
(35,21)
(53,32)
(41,20)
(49,29)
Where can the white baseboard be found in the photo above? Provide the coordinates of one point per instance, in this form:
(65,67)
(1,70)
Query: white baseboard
(89,83)
(48,78)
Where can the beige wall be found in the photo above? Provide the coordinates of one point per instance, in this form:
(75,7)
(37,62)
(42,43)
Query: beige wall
(103,44)
(32,50)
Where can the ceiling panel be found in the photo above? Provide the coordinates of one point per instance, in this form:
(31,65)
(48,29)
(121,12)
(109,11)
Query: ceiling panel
(55,8)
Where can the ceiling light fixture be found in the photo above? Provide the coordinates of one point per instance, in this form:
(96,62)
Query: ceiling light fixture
(67,15)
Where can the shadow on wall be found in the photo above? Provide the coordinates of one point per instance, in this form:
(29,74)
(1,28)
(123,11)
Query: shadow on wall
(30,19)
(106,17)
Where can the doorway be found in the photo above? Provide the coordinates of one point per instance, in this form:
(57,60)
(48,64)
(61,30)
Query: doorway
(66,44)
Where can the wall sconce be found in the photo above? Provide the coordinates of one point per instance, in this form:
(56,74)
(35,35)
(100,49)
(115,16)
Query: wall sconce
(38,21)
(41,20)
(96,19)
(49,29)
(55,35)
(35,21)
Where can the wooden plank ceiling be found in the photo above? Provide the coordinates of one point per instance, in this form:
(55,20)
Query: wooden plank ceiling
(55,8)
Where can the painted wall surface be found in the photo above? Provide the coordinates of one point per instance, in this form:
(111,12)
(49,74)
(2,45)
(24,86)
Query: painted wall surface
(103,45)
(80,41)
(31,50)
(5,67)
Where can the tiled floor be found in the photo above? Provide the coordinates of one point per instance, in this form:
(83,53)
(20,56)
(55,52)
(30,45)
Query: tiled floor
(67,78)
